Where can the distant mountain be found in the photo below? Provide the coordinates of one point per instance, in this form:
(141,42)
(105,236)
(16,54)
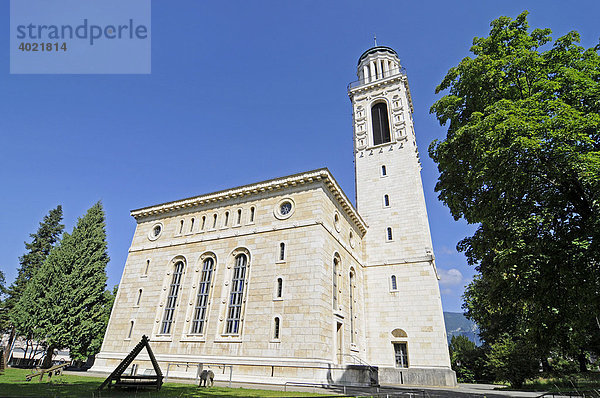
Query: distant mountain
(457,324)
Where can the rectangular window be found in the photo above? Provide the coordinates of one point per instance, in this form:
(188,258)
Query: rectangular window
(401,354)
(202,298)
(234,314)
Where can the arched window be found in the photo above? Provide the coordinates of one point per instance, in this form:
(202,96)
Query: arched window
(214,220)
(252,211)
(383,171)
(130,330)
(192,225)
(394,283)
(335,283)
(234,314)
(226,219)
(181,227)
(139,299)
(201,308)
(279,291)
(381,125)
(239,217)
(203,223)
(147,267)
(276,329)
(386,200)
(351,295)
(281,251)
(172,299)
(389,233)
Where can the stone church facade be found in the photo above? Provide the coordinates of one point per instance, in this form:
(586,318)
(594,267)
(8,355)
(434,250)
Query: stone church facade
(285,280)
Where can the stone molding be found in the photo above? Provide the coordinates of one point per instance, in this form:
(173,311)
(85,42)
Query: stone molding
(254,189)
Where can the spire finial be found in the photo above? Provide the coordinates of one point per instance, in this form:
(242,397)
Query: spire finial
(375,39)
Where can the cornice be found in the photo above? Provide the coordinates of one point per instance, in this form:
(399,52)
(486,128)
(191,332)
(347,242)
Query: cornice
(381,83)
(275,184)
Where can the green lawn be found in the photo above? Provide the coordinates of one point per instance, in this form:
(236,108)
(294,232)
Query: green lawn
(575,382)
(13,384)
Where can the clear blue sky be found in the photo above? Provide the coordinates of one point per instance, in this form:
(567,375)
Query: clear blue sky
(240,91)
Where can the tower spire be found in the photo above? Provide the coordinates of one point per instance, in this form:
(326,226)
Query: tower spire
(375,39)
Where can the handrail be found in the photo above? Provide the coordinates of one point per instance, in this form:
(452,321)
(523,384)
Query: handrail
(357,359)
(382,75)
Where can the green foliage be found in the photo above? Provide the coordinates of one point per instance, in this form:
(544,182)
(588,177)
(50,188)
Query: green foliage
(468,360)
(512,360)
(66,297)
(42,242)
(521,160)
(4,320)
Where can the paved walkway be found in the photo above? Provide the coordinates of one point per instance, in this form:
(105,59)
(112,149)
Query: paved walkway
(462,391)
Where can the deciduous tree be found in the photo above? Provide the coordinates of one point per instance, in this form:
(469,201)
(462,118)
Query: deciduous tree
(521,160)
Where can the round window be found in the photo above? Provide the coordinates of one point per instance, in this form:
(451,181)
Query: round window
(284,208)
(155,231)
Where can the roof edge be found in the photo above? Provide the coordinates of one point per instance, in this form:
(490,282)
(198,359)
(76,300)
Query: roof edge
(256,188)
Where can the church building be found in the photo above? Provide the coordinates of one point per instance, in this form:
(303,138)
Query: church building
(285,280)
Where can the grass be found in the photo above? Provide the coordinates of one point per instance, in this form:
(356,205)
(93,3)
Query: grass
(575,382)
(13,384)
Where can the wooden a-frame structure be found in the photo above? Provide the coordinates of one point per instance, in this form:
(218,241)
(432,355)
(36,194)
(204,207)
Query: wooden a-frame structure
(135,381)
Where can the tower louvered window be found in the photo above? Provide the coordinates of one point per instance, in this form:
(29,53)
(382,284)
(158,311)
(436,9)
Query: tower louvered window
(236,299)
(381,125)
(201,309)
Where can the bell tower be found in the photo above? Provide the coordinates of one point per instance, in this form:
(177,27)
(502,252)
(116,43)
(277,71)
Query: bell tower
(406,336)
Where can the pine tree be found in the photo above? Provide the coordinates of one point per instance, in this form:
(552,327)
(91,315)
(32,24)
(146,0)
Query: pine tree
(68,292)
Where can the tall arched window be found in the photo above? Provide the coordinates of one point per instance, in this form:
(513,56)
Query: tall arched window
(226,219)
(386,200)
(147,267)
(335,283)
(181,227)
(203,223)
(234,314)
(279,291)
(281,251)
(214,220)
(381,124)
(383,171)
(389,233)
(139,299)
(252,211)
(130,329)
(276,329)
(172,299)
(394,283)
(239,217)
(201,309)
(351,294)
(192,225)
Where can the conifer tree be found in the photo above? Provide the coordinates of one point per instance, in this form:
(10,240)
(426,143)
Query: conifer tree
(42,242)
(68,292)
